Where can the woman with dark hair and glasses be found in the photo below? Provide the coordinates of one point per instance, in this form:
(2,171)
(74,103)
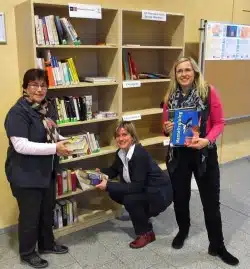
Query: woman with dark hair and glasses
(144,189)
(30,167)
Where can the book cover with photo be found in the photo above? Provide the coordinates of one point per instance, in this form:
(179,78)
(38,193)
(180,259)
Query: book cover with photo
(186,126)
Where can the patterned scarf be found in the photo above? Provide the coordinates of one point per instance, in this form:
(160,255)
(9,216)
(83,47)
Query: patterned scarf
(178,100)
(192,99)
(49,125)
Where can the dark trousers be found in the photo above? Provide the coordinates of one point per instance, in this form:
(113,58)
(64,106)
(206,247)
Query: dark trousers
(35,217)
(209,189)
(138,209)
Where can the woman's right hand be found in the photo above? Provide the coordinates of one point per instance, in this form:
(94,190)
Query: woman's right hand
(61,149)
(168,126)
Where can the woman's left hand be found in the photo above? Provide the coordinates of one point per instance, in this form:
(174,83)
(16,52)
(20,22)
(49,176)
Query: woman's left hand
(103,185)
(198,143)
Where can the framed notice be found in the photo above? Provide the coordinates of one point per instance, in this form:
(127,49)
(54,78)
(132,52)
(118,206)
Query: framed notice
(2,29)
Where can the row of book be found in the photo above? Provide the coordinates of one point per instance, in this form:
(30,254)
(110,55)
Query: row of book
(65,213)
(53,30)
(130,71)
(66,181)
(72,108)
(61,72)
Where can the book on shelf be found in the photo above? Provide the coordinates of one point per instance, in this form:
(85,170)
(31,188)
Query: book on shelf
(130,72)
(77,144)
(66,182)
(65,213)
(186,126)
(82,145)
(99,79)
(60,72)
(53,30)
(89,178)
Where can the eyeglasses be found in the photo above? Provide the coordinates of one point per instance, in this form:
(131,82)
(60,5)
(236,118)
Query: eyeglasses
(36,86)
(186,70)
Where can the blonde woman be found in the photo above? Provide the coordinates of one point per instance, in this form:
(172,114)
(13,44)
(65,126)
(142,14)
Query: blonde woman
(188,89)
(145,190)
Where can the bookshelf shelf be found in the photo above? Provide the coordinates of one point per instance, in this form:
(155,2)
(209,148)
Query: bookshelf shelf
(76,46)
(82,85)
(162,166)
(86,122)
(145,112)
(104,151)
(154,80)
(69,194)
(87,218)
(152,140)
(153,45)
(136,47)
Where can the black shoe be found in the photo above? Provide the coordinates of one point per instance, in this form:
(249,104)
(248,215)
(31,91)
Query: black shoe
(179,239)
(223,254)
(34,260)
(57,249)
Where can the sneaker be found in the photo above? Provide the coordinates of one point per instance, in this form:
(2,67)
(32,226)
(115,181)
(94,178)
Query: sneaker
(142,240)
(57,249)
(222,253)
(34,260)
(179,239)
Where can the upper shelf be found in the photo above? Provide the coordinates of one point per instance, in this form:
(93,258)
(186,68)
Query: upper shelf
(135,46)
(108,46)
(91,32)
(136,30)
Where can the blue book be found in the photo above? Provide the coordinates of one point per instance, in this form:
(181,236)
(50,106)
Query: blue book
(186,125)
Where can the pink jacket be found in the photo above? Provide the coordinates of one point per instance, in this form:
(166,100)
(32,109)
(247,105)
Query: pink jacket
(215,121)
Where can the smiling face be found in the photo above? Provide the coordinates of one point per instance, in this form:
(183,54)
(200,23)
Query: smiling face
(36,91)
(185,74)
(123,139)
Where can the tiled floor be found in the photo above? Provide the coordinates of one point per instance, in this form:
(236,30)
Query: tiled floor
(106,245)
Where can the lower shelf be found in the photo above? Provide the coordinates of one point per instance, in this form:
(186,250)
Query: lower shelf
(88,218)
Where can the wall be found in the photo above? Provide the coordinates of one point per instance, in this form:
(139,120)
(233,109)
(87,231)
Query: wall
(194,11)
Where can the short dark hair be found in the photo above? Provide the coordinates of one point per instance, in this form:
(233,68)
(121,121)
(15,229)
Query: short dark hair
(34,74)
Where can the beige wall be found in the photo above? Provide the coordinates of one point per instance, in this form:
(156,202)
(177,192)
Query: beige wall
(220,10)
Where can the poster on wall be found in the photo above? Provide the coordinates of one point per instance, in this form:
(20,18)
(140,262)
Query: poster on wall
(227,41)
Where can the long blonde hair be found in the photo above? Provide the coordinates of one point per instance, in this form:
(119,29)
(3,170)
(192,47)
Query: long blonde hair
(200,84)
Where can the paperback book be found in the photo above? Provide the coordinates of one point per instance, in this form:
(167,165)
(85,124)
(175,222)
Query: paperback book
(186,126)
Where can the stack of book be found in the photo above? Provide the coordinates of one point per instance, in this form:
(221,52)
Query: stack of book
(99,79)
(88,178)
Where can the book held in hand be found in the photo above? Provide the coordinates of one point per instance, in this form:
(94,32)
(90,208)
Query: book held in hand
(186,126)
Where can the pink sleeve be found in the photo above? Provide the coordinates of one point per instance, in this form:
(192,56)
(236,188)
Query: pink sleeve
(216,116)
(164,117)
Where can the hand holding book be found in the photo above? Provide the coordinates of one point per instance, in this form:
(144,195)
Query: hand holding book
(198,143)
(168,126)
(61,148)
